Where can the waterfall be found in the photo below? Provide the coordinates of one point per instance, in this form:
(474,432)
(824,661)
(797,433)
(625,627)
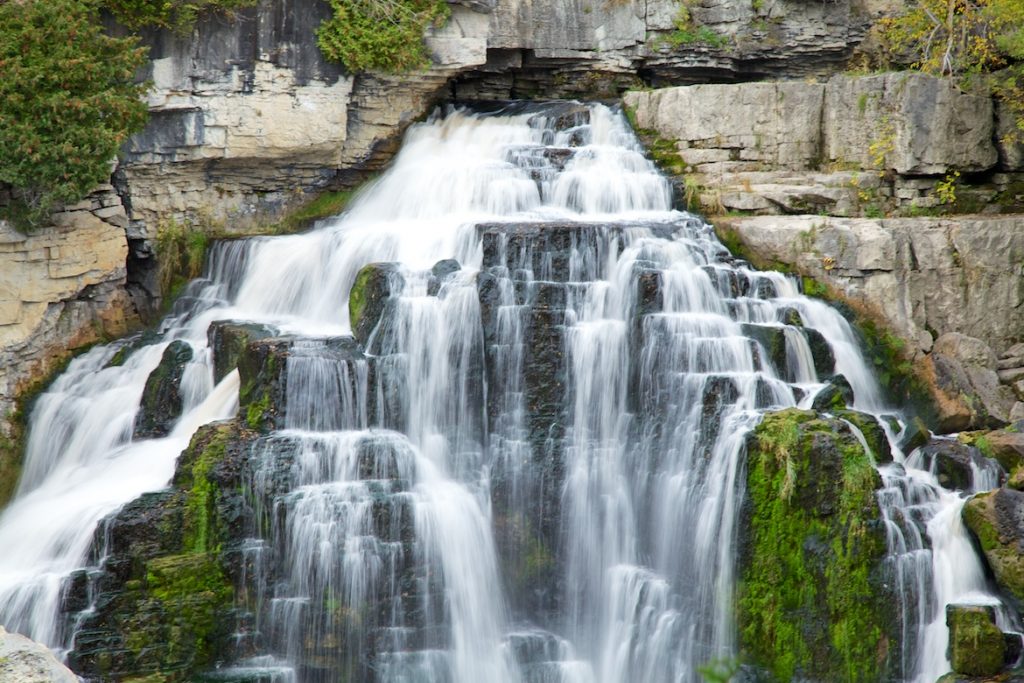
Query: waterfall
(533,474)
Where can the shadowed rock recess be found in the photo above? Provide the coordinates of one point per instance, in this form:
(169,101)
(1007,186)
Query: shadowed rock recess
(510,418)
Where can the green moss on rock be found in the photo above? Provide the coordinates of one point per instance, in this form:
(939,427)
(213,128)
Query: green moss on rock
(995,520)
(811,603)
(976,645)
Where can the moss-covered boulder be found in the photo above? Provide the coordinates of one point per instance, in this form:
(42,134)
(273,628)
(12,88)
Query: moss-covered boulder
(976,645)
(375,283)
(874,434)
(165,594)
(162,401)
(836,395)
(996,519)
(813,603)
(227,339)
(1004,445)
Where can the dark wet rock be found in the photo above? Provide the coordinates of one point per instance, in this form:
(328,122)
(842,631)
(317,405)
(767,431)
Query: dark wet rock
(374,285)
(952,463)
(821,352)
(915,434)
(161,404)
(227,339)
(976,645)
(873,432)
(263,381)
(836,395)
(996,519)
(719,393)
(263,369)
(546,249)
(649,291)
(165,589)
(772,339)
(814,599)
(441,271)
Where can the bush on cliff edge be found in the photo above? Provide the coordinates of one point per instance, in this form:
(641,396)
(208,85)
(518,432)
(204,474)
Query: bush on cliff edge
(379,35)
(67,101)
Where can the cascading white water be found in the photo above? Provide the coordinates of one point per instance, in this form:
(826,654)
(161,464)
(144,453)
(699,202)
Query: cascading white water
(611,477)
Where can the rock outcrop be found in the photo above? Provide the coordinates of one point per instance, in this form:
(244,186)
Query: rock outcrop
(848,146)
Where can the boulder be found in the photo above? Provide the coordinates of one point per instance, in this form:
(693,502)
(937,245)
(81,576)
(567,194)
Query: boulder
(837,394)
(952,463)
(962,373)
(813,600)
(227,339)
(996,519)
(821,352)
(1006,446)
(441,271)
(25,661)
(976,645)
(915,434)
(162,401)
(374,285)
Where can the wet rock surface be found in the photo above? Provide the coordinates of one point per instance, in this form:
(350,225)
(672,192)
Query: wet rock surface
(162,401)
(228,338)
(811,507)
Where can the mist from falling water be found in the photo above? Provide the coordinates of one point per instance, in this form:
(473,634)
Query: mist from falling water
(655,423)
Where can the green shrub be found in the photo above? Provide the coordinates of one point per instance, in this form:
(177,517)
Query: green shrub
(381,35)
(67,101)
(177,15)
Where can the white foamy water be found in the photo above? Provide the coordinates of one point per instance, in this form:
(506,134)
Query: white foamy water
(443,511)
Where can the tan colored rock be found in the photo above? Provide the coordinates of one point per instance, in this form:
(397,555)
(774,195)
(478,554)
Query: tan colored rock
(965,383)
(25,661)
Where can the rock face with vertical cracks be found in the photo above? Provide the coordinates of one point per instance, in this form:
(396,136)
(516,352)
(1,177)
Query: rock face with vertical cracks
(813,603)
(161,402)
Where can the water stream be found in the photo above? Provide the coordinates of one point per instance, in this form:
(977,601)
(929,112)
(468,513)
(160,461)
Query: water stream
(539,480)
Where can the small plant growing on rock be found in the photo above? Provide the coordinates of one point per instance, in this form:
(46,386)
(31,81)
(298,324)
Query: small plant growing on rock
(945,189)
